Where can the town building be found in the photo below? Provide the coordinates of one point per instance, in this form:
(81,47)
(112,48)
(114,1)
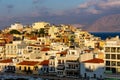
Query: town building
(92,69)
(16,26)
(112,57)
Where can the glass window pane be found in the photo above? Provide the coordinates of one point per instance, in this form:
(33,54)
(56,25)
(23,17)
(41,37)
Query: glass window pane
(113,63)
(107,56)
(113,56)
(118,56)
(107,49)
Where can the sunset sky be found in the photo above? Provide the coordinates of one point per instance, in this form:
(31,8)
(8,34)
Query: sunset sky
(55,11)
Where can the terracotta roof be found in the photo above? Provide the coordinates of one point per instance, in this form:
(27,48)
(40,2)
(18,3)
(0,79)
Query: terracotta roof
(88,51)
(6,61)
(33,38)
(45,49)
(63,52)
(2,44)
(47,44)
(95,60)
(31,45)
(44,63)
(29,63)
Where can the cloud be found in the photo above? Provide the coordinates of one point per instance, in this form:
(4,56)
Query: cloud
(87,4)
(99,6)
(85,13)
(110,4)
(93,11)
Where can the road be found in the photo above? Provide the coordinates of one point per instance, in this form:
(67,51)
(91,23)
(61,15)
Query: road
(38,76)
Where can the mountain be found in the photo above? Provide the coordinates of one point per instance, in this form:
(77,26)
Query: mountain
(109,23)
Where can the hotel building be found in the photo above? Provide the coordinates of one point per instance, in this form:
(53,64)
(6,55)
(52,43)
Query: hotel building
(112,57)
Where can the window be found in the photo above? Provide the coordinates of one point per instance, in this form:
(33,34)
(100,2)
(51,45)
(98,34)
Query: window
(113,49)
(107,63)
(73,53)
(36,68)
(107,56)
(46,53)
(15,47)
(118,56)
(113,56)
(107,49)
(24,68)
(113,63)
(107,68)
(29,69)
(20,68)
(77,66)
(62,61)
(94,56)
(59,61)
(5,67)
(94,75)
(62,55)
(39,39)
(118,63)
(118,49)
(52,69)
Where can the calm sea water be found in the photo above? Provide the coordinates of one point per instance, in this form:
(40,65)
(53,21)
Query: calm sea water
(104,35)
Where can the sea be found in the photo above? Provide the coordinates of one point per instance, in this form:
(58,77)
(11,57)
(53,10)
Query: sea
(105,35)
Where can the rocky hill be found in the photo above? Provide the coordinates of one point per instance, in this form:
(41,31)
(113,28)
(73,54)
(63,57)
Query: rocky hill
(109,23)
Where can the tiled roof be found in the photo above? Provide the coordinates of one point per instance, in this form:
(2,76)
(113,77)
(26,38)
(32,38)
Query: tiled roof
(33,38)
(6,61)
(44,63)
(2,44)
(88,51)
(63,52)
(95,60)
(45,49)
(29,63)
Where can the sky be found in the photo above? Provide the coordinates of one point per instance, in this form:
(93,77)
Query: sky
(55,11)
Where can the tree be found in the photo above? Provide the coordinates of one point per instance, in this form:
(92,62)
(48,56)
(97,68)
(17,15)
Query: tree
(41,32)
(14,32)
(72,38)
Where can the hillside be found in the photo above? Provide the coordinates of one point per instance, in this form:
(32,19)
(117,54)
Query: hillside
(109,23)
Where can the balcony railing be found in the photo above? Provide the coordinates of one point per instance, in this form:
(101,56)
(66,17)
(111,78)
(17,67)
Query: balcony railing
(72,68)
(60,67)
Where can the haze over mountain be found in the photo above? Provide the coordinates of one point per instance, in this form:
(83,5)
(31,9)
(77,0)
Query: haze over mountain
(83,12)
(109,23)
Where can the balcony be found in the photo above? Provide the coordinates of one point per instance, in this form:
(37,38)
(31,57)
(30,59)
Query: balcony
(72,68)
(60,67)
(72,61)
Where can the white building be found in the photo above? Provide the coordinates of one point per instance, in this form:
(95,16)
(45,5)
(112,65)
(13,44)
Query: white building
(15,49)
(39,25)
(92,69)
(16,26)
(52,32)
(68,63)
